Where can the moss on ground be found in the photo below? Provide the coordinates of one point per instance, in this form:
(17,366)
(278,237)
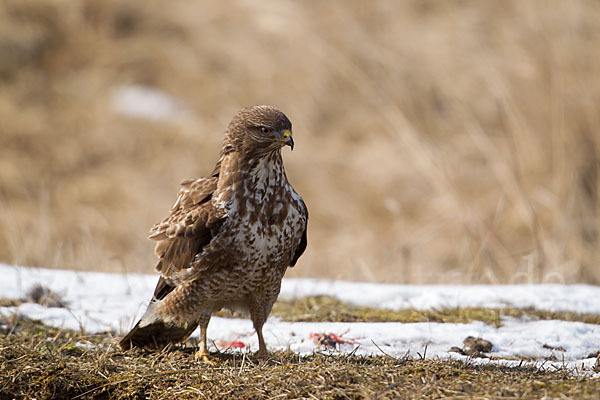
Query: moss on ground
(47,363)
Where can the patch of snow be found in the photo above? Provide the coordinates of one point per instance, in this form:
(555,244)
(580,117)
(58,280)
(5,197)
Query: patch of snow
(514,340)
(547,297)
(95,301)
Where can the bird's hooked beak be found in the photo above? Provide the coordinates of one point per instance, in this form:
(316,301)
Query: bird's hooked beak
(284,137)
(287,138)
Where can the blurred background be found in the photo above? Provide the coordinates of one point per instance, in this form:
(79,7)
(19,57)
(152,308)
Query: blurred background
(436,141)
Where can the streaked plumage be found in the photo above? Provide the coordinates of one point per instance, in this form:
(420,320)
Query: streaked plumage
(229,238)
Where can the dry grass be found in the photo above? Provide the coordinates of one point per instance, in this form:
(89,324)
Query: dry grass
(46,363)
(324,308)
(436,141)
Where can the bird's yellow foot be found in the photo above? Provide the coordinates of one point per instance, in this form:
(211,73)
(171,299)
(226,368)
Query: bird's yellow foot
(203,356)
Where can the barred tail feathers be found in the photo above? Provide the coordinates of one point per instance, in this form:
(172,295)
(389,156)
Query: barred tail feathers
(152,332)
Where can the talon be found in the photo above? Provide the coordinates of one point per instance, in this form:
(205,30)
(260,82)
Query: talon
(201,356)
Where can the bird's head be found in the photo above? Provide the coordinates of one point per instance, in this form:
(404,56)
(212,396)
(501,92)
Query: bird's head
(259,130)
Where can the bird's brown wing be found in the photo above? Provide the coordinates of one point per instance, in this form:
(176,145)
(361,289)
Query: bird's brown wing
(303,241)
(190,226)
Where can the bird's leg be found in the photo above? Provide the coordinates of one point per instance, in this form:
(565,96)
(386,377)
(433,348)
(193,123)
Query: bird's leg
(258,313)
(202,354)
(262,347)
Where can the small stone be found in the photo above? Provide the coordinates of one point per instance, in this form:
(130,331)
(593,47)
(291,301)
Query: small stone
(473,345)
(42,295)
(456,349)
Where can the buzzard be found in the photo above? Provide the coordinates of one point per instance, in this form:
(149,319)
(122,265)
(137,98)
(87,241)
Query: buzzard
(229,237)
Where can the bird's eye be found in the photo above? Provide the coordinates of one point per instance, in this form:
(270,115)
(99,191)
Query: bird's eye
(265,130)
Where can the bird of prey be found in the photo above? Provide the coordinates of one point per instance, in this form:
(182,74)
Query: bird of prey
(229,237)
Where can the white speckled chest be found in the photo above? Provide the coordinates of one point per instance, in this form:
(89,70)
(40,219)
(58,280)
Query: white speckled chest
(265,220)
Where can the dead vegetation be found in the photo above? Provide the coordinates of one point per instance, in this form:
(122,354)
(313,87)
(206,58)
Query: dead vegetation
(324,308)
(436,141)
(47,363)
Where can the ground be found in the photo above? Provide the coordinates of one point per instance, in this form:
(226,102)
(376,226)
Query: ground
(59,329)
(37,361)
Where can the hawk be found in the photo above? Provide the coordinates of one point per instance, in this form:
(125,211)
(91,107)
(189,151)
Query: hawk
(229,237)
